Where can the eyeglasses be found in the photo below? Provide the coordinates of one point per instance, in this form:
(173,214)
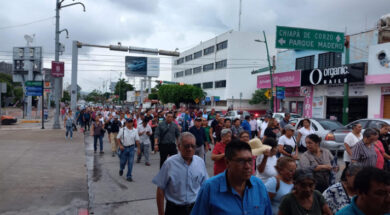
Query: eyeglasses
(245,136)
(242,161)
(188,146)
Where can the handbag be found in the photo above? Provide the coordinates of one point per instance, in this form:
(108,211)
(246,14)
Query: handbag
(289,149)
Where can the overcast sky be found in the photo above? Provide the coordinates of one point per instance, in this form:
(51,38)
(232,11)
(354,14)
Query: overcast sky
(165,24)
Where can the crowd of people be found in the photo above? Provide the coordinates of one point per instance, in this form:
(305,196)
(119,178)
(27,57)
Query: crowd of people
(258,168)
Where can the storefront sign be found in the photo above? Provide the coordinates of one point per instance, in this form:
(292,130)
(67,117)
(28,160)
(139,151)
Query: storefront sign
(285,79)
(336,75)
(307,92)
(292,92)
(355,89)
(318,107)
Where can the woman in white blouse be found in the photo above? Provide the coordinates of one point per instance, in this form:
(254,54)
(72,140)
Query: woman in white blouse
(303,133)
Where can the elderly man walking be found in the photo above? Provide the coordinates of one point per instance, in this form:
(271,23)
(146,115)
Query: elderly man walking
(180,178)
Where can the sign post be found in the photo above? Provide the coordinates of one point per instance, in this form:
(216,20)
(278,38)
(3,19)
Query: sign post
(303,38)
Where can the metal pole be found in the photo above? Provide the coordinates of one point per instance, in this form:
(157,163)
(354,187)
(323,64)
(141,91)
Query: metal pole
(57,84)
(239,16)
(150,85)
(73,95)
(270,73)
(346,87)
(43,104)
(29,98)
(142,91)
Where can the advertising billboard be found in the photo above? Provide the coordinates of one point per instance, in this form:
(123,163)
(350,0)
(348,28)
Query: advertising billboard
(142,66)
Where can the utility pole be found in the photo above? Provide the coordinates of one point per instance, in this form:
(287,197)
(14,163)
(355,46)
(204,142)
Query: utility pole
(270,74)
(346,86)
(57,80)
(239,16)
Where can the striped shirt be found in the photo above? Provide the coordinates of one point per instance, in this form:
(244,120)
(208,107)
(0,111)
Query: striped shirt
(364,155)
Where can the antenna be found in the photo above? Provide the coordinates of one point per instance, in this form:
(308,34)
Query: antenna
(239,16)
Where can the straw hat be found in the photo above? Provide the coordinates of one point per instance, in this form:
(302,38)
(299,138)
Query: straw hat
(257,146)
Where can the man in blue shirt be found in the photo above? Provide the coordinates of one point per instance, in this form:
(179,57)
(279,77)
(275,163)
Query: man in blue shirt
(235,191)
(180,178)
(373,188)
(245,124)
(202,145)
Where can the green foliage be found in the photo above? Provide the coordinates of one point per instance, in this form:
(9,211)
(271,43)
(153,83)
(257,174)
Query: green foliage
(179,93)
(153,96)
(95,96)
(66,97)
(259,97)
(121,88)
(18,93)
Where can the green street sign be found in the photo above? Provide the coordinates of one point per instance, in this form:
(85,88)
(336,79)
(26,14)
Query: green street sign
(33,84)
(265,69)
(302,38)
(280,88)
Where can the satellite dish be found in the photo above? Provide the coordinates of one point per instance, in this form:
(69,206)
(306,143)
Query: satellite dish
(29,39)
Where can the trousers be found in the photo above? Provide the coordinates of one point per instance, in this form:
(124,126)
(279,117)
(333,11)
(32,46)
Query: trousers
(165,151)
(127,157)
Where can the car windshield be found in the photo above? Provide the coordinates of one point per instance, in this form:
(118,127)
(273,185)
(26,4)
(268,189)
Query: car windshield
(330,124)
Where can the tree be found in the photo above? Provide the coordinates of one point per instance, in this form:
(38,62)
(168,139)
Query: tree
(121,88)
(258,97)
(95,96)
(66,97)
(180,93)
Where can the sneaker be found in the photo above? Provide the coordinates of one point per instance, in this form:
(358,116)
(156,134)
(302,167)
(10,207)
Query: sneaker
(120,172)
(129,179)
(113,154)
(147,164)
(94,152)
(101,152)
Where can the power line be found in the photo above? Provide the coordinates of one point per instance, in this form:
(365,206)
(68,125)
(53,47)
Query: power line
(25,24)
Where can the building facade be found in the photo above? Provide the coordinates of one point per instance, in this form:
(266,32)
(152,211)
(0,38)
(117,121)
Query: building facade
(320,92)
(222,67)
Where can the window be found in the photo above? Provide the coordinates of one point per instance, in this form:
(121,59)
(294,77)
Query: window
(208,50)
(188,57)
(198,54)
(179,74)
(304,63)
(188,72)
(208,67)
(329,59)
(207,85)
(222,45)
(220,84)
(197,85)
(220,64)
(197,69)
(180,61)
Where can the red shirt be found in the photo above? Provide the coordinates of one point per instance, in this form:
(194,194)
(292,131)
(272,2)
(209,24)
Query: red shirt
(219,166)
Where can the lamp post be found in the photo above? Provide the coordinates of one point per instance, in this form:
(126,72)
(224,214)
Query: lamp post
(270,70)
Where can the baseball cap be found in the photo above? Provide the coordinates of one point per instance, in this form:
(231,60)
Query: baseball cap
(199,119)
(289,127)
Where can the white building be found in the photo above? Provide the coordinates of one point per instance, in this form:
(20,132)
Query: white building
(222,67)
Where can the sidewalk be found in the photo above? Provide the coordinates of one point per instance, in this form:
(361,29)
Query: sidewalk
(110,193)
(41,173)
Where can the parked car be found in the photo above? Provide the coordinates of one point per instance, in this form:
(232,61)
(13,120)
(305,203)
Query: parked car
(329,130)
(369,123)
(234,114)
(279,116)
(8,120)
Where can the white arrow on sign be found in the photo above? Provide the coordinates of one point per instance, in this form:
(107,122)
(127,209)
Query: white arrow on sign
(338,38)
(282,41)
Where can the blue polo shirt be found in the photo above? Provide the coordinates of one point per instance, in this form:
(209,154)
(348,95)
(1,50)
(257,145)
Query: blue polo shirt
(217,197)
(246,126)
(352,209)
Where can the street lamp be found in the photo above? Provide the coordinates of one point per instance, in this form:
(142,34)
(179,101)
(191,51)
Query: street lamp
(270,70)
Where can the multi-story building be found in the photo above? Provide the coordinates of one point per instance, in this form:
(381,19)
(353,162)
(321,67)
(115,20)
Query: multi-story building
(222,67)
(314,79)
(6,68)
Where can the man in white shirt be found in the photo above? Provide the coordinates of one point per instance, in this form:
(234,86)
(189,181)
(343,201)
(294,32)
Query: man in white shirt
(127,139)
(350,141)
(253,123)
(144,132)
(264,126)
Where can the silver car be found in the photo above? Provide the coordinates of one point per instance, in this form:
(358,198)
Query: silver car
(326,129)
